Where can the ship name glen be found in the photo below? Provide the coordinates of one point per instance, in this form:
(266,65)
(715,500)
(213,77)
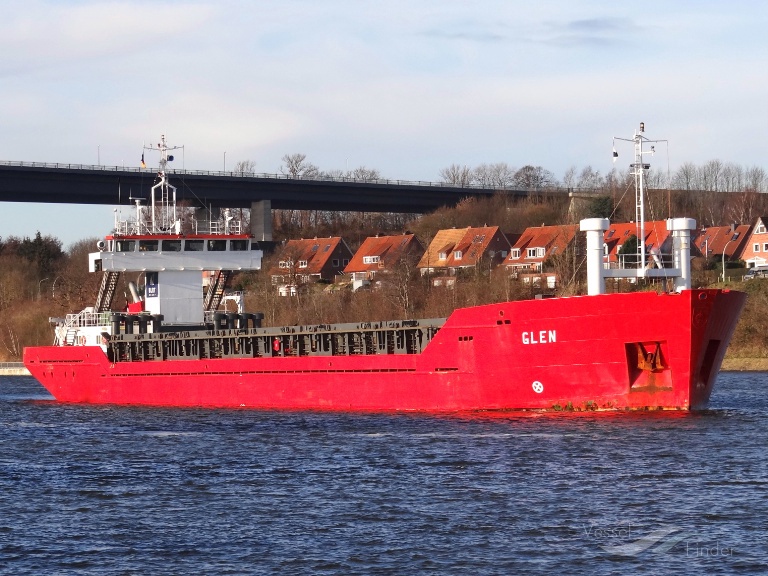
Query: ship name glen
(540,337)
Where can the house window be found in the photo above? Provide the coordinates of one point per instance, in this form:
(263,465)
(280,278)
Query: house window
(515,253)
(760,229)
(457,254)
(756,248)
(605,249)
(765,247)
(531,252)
(335,262)
(302,263)
(370,259)
(442,255)
(346,262)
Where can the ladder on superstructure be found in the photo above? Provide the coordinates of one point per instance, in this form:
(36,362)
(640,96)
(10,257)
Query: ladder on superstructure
(216,290)
(106,290)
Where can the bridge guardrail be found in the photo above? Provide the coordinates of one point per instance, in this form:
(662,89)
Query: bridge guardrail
(276,176)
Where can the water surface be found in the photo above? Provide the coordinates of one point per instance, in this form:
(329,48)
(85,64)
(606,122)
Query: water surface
(124,490)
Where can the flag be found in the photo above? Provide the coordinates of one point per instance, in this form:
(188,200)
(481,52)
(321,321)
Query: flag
(142,161)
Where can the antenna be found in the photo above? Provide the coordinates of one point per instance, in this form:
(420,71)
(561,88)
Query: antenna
(163,195)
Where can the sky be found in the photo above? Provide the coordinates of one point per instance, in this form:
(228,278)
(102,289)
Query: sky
(407,87)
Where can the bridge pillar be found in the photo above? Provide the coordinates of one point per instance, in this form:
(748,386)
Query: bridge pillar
(261,219)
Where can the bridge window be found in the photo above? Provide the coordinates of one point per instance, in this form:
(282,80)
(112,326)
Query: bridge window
(193,245)
(148,245)
(125,245)
(171,245)
(238,245)
(217,245)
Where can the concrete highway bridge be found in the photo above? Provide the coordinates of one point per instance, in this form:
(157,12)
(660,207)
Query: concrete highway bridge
(82,184)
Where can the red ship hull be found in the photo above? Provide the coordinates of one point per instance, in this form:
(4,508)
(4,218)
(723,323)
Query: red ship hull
(618,351)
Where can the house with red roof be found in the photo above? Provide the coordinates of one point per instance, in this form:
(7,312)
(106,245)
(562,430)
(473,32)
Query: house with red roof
(719,241)
(457,249)
(300,262)
(755,251)
(382,255)
(537,244)
(657,240)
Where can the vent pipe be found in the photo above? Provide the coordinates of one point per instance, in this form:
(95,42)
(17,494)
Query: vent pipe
(595,229)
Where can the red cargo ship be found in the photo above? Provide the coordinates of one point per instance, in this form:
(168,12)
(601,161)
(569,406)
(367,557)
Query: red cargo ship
(642,350)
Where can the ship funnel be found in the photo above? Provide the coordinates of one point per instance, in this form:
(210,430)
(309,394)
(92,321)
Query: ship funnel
(595,229)
(681,242)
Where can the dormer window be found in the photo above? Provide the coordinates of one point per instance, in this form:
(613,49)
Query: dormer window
(457,254)
(442,255)
(535,252)
(515,253)
(370,259)
(302,263)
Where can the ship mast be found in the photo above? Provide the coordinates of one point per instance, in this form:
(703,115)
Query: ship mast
(638,171)
(164,218)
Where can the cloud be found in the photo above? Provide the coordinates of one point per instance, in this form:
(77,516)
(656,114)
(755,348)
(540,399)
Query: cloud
(589,32)
(41,35)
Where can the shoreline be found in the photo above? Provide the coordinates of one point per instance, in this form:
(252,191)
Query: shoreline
(745,365)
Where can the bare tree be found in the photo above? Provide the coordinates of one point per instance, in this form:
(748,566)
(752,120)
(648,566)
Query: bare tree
(498,175)
(590,179)
(457,175)
(534,178)
(686,177)
(732,178)
(569,178)
(295,166)
(245,167)
(365,174)
(755,179)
